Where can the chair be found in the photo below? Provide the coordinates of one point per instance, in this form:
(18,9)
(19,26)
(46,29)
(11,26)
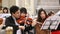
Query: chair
(8,30)
(2,21)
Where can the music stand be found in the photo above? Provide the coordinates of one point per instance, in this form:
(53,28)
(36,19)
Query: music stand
(51,23)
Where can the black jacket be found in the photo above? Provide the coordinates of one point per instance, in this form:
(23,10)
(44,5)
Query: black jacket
(10,22)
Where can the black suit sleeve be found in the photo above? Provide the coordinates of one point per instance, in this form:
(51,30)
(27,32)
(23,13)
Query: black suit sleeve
(28,28)
(9,22)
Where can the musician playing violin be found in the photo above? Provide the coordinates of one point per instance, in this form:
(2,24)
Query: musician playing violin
(24,20)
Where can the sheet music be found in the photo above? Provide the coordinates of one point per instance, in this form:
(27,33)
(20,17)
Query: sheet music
(51,22)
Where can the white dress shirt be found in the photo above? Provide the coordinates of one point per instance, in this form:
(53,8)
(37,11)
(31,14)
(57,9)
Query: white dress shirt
(19,30)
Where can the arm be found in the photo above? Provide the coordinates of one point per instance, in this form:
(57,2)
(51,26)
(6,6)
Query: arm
(8,23)
(34,22)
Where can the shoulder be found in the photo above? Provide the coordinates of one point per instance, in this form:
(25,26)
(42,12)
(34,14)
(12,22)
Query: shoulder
(10,17)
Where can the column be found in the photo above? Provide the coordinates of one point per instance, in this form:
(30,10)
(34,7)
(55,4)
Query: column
(29,4)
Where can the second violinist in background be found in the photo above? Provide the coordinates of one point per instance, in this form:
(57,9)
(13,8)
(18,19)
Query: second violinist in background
(24,20)
(42,16)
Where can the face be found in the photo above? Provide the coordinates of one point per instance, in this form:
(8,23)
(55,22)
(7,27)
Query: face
(5,11)
(42,15)
(17,14)
(23,14)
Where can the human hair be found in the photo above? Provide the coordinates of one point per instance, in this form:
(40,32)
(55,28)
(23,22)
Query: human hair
(39,18)
(23,10)
(50,13)
(14,9)
(5,8)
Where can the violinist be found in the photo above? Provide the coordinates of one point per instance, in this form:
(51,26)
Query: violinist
(42,16)
(11,20)
(24,20)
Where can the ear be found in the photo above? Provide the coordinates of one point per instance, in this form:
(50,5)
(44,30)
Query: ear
(13,14)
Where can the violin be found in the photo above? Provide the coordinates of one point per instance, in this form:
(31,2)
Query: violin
(21,20)
(24,20)
(29,21)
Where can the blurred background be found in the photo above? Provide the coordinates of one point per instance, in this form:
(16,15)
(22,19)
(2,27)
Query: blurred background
(32,5)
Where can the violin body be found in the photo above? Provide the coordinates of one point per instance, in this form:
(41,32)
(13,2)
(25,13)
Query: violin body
(24,20)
